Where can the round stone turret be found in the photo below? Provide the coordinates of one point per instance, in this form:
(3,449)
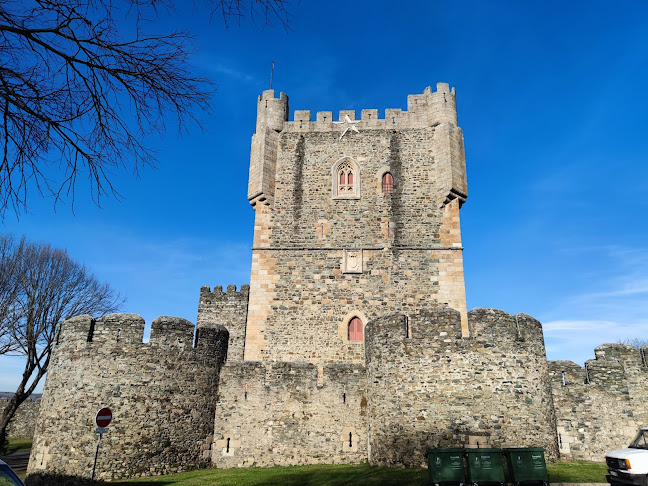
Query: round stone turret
(271,112)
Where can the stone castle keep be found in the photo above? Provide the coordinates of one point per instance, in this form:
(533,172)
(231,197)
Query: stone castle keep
(352,342)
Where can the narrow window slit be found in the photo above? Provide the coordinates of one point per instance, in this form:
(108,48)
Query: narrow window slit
(118,334)
(228,442)
(560,444)
(587,376)
(350,439)
(406,323)
(90,332)
(344,398)
(563,379)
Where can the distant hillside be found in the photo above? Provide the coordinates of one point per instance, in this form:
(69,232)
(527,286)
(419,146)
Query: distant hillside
(8,395)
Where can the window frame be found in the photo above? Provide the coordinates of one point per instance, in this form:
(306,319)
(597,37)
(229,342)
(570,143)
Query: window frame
(346,179)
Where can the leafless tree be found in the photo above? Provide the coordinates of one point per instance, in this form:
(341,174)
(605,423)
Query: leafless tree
(51,287)
(10,254)
(83,85)
(637,342)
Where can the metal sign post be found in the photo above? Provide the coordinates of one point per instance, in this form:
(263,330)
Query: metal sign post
(102,419)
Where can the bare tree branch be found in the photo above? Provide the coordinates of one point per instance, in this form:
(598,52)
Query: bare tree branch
(637,342)
(10,255)
(79,97)
(45,287)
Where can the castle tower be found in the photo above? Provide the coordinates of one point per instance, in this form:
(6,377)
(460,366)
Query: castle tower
(353,218)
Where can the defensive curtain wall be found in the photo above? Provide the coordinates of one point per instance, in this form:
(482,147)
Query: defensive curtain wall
(162,394)
(22,424)
(424,385)
(601,406)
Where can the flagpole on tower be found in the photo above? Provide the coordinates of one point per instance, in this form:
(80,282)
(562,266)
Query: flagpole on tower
(271,73)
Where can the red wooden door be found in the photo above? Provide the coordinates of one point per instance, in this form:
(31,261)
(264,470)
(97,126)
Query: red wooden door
(355,329)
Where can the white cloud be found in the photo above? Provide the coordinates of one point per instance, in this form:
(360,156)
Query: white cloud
(220,68)
(614,308)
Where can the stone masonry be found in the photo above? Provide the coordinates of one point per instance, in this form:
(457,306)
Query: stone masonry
(601,406)
(22,424)
(407,241)
(428,387)
(163,395)
(228,309)
(352,342)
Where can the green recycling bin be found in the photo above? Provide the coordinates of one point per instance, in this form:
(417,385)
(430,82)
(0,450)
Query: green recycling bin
(485,466)
(446,466)
(527,465)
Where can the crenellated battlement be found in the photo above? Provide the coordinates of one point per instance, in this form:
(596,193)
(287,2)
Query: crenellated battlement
(429,109)
(309,375)
(230,294)
(127,331)
(609,369)
(443,324)
(498,326)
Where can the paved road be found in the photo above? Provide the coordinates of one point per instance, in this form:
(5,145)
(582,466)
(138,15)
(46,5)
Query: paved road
(17,461)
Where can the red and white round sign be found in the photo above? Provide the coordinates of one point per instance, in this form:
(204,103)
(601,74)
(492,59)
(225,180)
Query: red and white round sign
(103,418)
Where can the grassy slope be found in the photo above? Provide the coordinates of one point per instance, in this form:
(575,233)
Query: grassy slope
(360,475)
(18,444)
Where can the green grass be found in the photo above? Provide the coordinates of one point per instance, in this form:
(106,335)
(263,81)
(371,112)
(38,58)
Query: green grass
(360,475)
(317,475)
(16,444)
(577,472)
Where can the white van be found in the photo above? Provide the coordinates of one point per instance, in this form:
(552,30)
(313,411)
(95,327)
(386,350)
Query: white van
(629,466)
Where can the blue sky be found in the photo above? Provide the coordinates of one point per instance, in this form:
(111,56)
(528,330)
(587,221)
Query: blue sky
(553,103)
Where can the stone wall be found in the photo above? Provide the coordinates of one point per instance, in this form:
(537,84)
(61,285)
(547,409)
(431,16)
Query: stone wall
(429,387)
(601,406)
(289,414)
(24,421)
(162,395)
(407,243)
(228,309)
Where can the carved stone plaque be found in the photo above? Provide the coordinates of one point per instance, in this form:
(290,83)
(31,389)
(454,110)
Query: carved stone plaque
(352,261)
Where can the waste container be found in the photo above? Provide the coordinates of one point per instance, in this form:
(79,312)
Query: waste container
(485,466)
(527,465)
(446,466)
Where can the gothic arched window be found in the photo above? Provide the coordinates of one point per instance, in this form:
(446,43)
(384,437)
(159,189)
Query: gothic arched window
(345,170)
(346,180)
(355,330)
(387,183)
